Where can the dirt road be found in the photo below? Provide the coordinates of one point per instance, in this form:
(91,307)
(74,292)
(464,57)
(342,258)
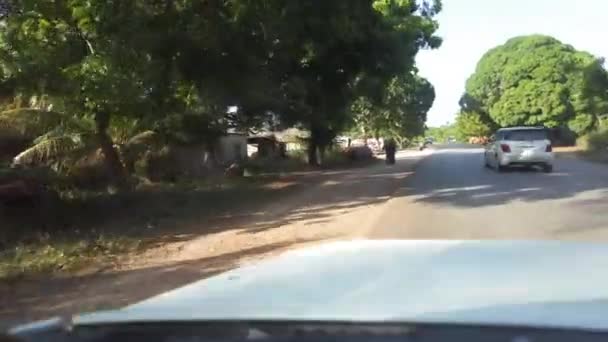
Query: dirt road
(331,205)
(445,194)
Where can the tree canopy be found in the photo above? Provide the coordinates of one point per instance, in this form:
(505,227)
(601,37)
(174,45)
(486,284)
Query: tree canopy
(443,132)
(470,124)
(176,66)
(400,113)
(537,80)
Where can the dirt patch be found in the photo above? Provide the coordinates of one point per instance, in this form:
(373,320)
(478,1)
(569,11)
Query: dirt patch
(327,205)
(35,299)
(575,152)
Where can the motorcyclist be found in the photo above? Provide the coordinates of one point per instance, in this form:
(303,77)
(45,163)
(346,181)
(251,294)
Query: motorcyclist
(425,143)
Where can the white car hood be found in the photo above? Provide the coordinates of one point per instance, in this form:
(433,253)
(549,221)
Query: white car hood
(485,282)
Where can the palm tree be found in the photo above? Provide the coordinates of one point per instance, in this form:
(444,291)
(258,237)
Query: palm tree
(61,141)
(47,138)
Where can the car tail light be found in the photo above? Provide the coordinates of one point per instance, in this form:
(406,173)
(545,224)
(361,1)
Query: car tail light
(505,148)
(549,148)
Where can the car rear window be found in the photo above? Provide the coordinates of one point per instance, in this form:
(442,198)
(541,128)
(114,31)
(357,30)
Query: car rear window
(525,135)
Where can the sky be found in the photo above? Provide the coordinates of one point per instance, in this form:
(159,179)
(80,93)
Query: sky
(471,27)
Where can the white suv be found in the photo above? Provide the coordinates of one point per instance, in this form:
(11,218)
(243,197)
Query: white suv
(525,146)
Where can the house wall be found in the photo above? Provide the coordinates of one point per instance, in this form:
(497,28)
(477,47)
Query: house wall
(232,148)
(196,161)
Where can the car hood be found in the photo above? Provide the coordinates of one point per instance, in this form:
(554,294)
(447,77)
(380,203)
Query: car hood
(512,283)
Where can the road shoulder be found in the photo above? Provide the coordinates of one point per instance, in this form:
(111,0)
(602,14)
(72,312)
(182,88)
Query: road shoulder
(333,205)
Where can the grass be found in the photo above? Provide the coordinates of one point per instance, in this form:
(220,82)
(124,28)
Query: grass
(93,229)
(592,147)
(49,255)
(297,161)
(579,152)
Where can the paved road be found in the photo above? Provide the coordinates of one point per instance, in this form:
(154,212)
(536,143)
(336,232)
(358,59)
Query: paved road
(452,196)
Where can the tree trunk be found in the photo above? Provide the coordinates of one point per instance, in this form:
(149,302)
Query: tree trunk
(312,152)
(322,149)
(111,158)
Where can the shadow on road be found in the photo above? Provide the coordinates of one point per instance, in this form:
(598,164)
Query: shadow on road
(458,178)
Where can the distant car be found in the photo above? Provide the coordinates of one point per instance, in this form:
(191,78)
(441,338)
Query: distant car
(519,146)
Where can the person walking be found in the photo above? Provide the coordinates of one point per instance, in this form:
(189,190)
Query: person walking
(390,148)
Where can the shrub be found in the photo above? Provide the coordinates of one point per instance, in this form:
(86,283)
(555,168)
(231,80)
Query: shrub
(335,157)
(594,141)
(300,155)
(293,162)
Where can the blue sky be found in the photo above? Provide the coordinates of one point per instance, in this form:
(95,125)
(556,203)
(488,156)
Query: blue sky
(471,27)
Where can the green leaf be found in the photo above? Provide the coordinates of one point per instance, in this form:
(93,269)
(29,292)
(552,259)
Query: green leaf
(537,80)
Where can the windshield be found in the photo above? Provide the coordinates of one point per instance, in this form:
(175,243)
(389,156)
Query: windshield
(150,148)
(525,135)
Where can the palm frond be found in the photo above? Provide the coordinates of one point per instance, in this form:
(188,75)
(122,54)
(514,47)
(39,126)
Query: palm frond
(144,138)
(57,149)
(29,123)
(123,128)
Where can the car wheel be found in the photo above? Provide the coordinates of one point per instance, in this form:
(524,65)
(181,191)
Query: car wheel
(547,168)
(501,168)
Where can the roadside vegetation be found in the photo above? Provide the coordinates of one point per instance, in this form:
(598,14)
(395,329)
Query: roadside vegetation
(537,81)
(114,116)
(93,230)
(593,145)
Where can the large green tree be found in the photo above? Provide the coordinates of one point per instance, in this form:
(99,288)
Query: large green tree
(536,80)
(471,124)
(328,53)
(172,66)
(176,66)
(400,113)
(85,54)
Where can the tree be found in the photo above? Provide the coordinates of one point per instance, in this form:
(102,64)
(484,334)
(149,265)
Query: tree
(401,112)
(170,66)
(442,133)
(536,80)
(175,66)
(329,53)
(83,52)
(470,124)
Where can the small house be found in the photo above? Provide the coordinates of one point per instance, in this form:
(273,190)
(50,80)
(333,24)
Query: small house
(265,146)
(231,148)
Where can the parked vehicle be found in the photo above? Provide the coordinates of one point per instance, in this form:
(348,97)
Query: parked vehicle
(519,146)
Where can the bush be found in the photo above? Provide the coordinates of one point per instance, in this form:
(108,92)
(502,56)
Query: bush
(293,162)
(46,255)
(335,157)
(594,141)
(159,166)
(300,155)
